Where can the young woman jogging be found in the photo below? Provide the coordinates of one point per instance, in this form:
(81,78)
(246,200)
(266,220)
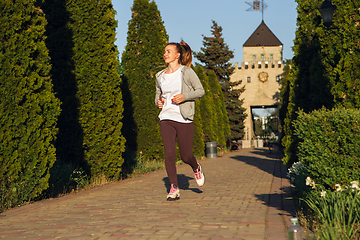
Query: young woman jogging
(177,88)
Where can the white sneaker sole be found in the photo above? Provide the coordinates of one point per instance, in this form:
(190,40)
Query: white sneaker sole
(174,196)
(201,182)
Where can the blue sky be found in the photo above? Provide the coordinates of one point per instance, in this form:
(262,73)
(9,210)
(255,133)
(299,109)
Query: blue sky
(190,19)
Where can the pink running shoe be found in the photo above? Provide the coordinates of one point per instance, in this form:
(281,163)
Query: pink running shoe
(174,193)
(199,176)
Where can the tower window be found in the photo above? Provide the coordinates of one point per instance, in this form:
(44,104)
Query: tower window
(248,79)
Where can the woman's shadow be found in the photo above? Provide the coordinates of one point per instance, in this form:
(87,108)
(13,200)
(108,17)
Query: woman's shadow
(183,182)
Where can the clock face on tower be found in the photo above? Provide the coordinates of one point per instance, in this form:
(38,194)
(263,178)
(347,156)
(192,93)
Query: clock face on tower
(263,77)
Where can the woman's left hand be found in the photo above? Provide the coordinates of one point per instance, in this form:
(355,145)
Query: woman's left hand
(179,98)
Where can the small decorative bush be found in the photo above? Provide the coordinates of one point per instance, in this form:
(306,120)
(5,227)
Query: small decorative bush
(337,212)
(330,213)
(330,145)
(327,176)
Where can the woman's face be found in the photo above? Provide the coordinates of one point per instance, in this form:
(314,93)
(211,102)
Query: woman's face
(170,54)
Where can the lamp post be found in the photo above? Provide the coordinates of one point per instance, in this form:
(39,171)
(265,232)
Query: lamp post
(327,10)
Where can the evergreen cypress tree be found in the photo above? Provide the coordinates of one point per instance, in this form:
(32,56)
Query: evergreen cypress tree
(345,76)
(28,106)
(223,126)
(207,108)
(90,126)
(309,89)
(285,94)
(216,55)
(142,58)
(325,72)
(198,142)
(285,91)
(235,111)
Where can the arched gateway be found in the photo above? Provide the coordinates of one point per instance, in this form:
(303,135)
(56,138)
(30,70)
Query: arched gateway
(260,72)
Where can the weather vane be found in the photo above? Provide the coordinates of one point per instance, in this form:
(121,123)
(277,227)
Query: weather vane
(257,6)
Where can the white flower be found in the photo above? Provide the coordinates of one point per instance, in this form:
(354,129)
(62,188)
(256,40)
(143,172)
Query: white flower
(308,181)
(323,194)
(354,185)
(338,187)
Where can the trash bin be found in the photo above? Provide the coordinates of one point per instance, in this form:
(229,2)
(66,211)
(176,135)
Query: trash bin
(211,150)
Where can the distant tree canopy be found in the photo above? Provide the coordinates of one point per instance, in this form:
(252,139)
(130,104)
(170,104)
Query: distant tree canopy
(215,55)
(326,66)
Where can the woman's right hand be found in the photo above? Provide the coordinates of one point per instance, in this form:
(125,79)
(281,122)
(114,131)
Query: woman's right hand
(160,103)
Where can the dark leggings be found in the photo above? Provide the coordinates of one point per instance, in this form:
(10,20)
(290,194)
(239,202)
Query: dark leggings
(185,134)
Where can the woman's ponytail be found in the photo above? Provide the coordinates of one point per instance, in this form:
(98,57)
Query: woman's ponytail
(186,55)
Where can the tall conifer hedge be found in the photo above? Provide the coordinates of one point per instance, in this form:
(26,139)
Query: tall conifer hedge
(326,65)
(142,58)
(199,139)
(223,126)
(207,108)
(28,106)
(81,42)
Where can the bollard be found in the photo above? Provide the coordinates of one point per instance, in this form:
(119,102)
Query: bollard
(211,150)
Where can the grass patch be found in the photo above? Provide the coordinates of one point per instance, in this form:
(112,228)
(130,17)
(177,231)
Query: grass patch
(143,166)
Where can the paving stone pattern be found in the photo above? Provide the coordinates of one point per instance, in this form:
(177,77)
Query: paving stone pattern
(243,198)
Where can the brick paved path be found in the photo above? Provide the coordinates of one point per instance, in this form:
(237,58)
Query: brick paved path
(243,198)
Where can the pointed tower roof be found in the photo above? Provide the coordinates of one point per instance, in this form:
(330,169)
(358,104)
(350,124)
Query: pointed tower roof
(262,36)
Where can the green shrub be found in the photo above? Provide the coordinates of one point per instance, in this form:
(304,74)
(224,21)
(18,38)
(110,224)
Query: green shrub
(28,106)
(330,145)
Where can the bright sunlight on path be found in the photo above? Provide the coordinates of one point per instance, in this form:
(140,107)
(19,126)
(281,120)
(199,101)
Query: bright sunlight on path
(243,198)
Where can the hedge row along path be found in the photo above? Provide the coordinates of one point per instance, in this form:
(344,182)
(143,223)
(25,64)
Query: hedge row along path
(243,198)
